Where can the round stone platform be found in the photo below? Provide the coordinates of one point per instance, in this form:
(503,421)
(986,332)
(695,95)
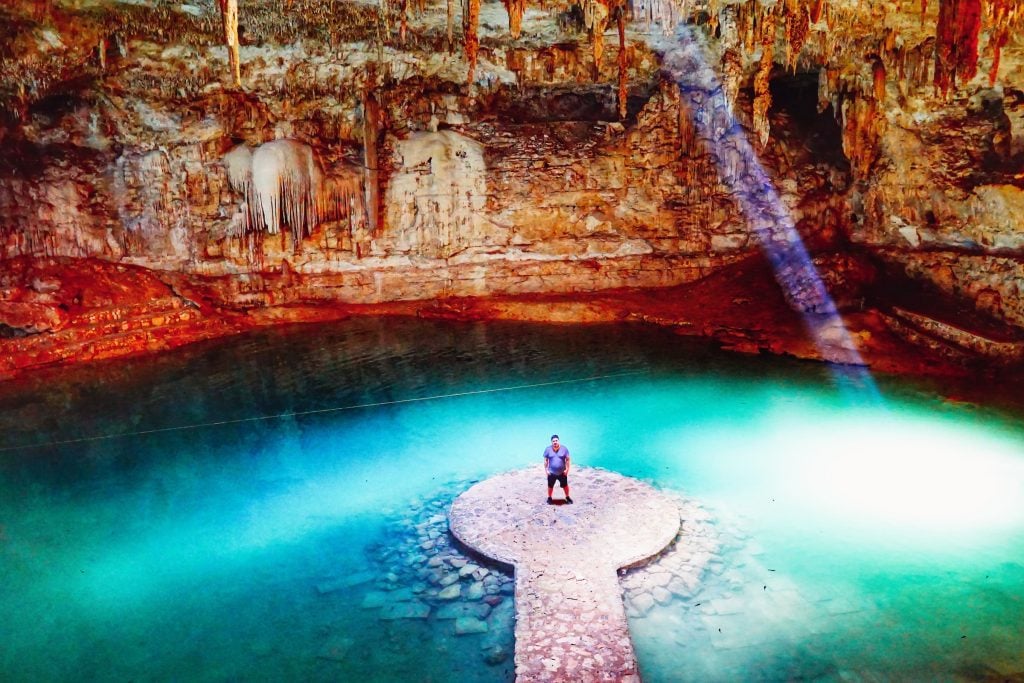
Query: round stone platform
(570,620)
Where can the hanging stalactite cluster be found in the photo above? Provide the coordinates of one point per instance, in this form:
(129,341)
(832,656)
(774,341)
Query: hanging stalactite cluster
(282,184)
(516,9)
(861,54)
(956,42)
(816,33)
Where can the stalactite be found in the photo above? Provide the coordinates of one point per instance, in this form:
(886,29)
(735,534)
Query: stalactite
(889,42)
(945,60)
(766,25)
(998,42)
(403,26)
(471,38)
(798,25)
(762,96)
(371,133)
(1003,16)
(515,9)
(595,19)
(816,10)
(968,30)
(732,76)
(878,77)
(745,27)
(282,183)
(665,13)
(862,125)
(451,25)
(623,72)
(229,13)
(826,45)
(956,48)
(828,79)
(238,163)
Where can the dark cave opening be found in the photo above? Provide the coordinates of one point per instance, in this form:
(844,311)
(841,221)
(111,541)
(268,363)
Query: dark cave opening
(795,99)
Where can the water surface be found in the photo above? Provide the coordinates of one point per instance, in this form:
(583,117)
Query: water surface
(859,540)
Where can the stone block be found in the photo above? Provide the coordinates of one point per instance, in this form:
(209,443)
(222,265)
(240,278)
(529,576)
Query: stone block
(405,610)
(451,592)
(469,625)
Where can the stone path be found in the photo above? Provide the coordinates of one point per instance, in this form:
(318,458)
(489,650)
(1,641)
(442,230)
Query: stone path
(570,620)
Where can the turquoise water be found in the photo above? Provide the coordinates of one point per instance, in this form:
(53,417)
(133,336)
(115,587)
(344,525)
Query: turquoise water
(858,542)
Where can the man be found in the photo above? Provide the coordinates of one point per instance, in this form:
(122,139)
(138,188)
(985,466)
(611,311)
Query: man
(556,466)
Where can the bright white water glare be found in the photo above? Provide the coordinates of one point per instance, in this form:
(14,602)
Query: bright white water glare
(886,471)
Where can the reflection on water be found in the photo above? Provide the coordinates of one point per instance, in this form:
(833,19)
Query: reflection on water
(855,541)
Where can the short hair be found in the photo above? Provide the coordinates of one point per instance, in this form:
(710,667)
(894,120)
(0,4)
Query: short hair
(554,436)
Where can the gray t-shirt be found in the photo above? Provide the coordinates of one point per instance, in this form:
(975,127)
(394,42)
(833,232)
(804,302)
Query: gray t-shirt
(556,460)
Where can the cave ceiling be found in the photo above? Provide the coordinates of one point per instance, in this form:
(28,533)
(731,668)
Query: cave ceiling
(50,45)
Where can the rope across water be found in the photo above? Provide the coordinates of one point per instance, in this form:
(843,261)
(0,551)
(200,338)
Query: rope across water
(320,411)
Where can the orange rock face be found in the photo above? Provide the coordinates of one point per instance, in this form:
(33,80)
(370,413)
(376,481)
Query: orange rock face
(550,172)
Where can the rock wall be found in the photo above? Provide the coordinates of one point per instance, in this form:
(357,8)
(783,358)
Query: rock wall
(519,176)
(524,182)
(946,204)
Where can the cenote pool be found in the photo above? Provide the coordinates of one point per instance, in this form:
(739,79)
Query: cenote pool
(855,540)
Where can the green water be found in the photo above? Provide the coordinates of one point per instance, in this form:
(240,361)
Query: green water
(859,541)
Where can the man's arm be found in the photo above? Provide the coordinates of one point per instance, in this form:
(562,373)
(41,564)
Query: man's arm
(568,461)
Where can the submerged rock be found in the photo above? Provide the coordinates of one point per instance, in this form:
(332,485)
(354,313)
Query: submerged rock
(451,592)
(469,625)
(661,595)
(405,610)
(374,599)
(339,583)
(461,609)
(475,592)
(642,603)
(336,650)
(495,654)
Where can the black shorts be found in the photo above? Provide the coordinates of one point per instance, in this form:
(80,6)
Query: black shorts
(562,479)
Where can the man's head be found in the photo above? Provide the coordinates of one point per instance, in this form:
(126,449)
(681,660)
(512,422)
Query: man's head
(554,441)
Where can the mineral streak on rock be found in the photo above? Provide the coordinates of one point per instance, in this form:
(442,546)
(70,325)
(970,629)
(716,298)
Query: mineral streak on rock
(570,619)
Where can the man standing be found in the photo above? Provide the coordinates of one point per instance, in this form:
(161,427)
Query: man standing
(556,466)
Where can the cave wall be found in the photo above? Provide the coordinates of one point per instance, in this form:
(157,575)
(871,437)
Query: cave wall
(524,183)
(525,178)
(945,204)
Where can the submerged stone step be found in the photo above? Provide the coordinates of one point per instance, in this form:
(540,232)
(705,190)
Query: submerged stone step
(570,619)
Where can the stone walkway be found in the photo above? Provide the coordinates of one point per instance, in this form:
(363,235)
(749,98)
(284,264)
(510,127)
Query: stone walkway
(570,619)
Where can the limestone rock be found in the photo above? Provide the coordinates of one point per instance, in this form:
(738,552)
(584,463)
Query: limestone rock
(451,592)
(469,625)
(405,610)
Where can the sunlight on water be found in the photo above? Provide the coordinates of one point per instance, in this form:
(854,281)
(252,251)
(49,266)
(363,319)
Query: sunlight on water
(855,542)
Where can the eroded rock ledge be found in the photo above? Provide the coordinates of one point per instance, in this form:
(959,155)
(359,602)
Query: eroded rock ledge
(70,310)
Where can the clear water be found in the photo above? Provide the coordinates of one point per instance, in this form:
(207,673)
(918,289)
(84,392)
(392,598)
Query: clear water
(860,542)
